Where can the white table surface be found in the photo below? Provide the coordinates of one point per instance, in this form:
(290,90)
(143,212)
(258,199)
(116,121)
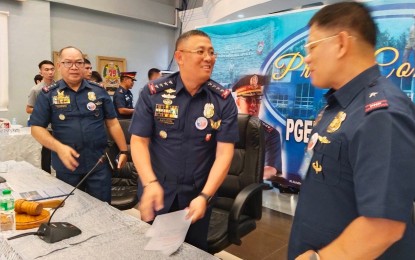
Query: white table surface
(19,145)
(107,233)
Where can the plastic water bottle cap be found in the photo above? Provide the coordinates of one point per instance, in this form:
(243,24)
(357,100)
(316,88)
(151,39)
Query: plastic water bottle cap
(7,192)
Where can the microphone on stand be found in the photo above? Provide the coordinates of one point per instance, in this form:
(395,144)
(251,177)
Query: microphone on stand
(52,232)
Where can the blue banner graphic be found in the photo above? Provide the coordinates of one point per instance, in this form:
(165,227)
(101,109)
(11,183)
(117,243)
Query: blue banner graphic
(273,46)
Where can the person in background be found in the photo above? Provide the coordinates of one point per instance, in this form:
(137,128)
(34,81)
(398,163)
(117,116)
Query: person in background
(96,77)
(249,92)
(46,72)
(87,69)
(153,74)
(80,113)
(38,78)
(123,98)
(357,197)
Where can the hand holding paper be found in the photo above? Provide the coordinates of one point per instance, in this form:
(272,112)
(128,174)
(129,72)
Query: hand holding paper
(166,237)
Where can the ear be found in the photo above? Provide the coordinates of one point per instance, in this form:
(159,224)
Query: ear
(344,43)
(178,56)
(238,102)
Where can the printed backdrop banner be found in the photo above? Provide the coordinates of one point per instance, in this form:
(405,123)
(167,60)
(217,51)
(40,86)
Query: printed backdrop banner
(273,46)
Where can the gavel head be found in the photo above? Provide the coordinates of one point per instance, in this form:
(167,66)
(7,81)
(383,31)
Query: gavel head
(28,207)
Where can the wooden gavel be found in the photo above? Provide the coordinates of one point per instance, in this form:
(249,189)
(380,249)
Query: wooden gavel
(34,208)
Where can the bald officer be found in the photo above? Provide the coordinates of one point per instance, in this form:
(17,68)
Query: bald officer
(79,112)
(183,133)
(123,98)
(249,92)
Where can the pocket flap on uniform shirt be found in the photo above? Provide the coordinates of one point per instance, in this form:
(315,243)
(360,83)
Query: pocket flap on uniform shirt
(332,149)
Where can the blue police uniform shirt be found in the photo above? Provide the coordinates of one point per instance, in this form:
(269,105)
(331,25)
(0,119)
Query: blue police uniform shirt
(362,165)
(272,147)
(184,131)
(77,119)
(123,98)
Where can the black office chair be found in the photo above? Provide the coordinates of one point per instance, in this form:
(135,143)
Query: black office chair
(124,180)
(239,199)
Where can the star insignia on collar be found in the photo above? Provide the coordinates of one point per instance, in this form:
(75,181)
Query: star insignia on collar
(373,94)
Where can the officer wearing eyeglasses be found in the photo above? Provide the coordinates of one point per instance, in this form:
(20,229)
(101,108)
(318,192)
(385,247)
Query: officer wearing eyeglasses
(357,197)
(249,92)
(183,132)
(79,112)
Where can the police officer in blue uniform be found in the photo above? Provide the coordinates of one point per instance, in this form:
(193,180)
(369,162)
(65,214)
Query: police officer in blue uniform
(78,111)
(357,196)
(123,98)
(183,133)
(249,94)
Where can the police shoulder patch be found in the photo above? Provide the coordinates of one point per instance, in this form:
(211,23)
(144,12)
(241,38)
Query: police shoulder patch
(267,127)
(93,83)
(218,89)
(162,84)
(46,89)
(375,98)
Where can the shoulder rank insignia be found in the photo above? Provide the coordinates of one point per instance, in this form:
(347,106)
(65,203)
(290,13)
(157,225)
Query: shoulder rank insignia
(94,84)
(46,89)
(218,89)
(267,127)
(164,84)
(375,98)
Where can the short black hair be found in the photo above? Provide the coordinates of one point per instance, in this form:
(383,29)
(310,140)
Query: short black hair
(87,61)
(188,34)
(95,75)
(37,78)
(351,16)
(152,71)
(43,62)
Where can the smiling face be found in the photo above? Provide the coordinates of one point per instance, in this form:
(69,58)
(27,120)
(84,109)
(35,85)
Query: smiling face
(194,58)
(321,56)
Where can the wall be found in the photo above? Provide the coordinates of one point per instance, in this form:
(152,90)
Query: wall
(142,44)
(37,28)
(29,43)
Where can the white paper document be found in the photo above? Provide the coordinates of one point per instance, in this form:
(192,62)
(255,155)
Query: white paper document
(168,232)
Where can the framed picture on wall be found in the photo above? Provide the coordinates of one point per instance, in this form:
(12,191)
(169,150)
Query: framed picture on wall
(110,69)
(56,61)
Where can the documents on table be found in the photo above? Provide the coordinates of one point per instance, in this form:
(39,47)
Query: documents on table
(168,232)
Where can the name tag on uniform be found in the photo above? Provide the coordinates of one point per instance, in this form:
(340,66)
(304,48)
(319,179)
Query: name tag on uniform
(166,111)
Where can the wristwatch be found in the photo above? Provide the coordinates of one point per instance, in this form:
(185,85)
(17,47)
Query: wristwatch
(314,256)
(123,152)
(206,197)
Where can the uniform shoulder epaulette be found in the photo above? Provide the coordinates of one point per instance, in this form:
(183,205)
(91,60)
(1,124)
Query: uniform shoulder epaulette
(375,98)
(46,89)
(93,83)
(267,127)
(218,89)
(162,84)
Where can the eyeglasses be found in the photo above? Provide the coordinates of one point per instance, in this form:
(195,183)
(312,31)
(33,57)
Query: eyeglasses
(250,100)
(309,46)
(202,53)
(69,64)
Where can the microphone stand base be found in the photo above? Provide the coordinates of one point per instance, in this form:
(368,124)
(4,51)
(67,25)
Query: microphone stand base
(57,231)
